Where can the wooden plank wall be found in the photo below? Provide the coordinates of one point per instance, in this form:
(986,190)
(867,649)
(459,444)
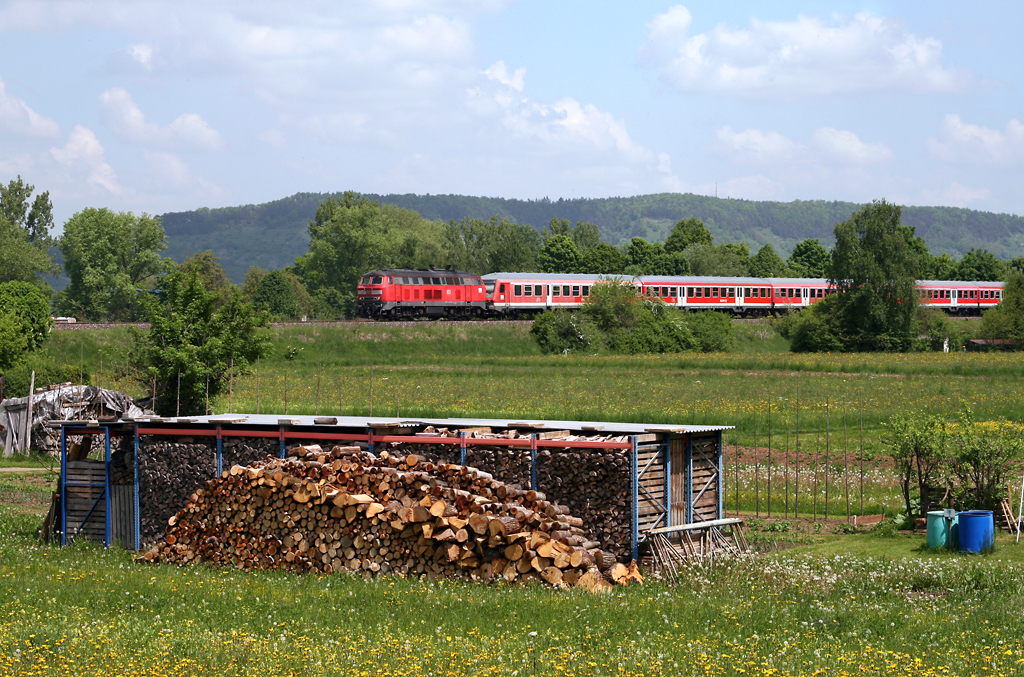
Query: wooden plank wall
(81,499)
(653,480)
(678,479)
(705,473)
(122,520)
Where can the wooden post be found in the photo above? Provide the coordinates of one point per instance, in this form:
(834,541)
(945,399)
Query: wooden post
(319,369)
(257,385)
(154,394)
(81,364)
(28,418)
(99,375)
(398,398)
(286,392)
(177,405)
(817,455)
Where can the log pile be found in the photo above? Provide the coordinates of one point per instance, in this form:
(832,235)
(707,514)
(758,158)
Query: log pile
(247,450)
(348,510)
(168,473)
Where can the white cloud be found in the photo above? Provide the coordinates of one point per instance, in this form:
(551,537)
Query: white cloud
(141,54)
(16,116)
(964,140)
(499,73)
(845,146)
(808,56)
(755,145)
(83,150)
(127,120)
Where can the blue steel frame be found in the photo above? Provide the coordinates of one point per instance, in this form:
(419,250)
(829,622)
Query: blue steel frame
(666,450)
(104,495)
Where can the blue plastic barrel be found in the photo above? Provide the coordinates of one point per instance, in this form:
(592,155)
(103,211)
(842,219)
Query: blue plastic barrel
(938,530)
(977,530)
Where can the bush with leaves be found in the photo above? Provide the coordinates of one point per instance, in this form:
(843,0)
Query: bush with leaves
(918,445)
(562,331)
(712,331)
(982,455)
(48,370)
(24,320)
(813,330)
(192,345)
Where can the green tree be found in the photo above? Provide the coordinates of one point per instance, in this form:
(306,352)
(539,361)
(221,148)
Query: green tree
(349,237)
(253,277)
(603,259)
(212,274)
(193,346)
(725,261)
(669,263)
(562,332)
(688,232)
(586,235)
(13,340)
(37,220)
(980,265)
(559,255)
(941,267)
(109,256)
(557,227)
(495,245)
(874,272)
(918,445)
(30,306)
(282,294)
(809,258)
(641,256)
(766,263)
(1006,320)
(983,455)
(25,234)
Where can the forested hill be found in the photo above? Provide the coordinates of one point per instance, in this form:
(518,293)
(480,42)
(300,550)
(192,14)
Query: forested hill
(273,234)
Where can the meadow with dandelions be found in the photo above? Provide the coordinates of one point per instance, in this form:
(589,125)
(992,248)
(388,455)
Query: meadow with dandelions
(837,601)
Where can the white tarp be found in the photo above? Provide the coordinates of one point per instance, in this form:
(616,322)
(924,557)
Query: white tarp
(59,403)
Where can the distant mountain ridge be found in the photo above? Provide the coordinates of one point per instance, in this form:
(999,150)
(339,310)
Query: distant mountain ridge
(273,234)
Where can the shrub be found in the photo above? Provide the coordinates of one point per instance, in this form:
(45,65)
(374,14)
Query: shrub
(712,331)
(561,331)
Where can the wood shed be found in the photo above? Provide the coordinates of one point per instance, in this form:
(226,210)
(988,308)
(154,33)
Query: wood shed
(623,479)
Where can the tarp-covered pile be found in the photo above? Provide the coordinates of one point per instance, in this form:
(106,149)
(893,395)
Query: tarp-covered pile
(59,403)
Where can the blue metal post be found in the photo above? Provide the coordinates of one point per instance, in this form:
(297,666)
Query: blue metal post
(634,516)
(462,447)
(721,476)
(369,437)
(106,487)
(220,453)
(135,496)
(689,479)
(667,451)
(63,485)
(533,461)
(280,432)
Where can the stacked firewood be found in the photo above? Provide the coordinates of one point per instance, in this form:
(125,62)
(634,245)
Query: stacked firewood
(247,450)
(348,510)
(168,473)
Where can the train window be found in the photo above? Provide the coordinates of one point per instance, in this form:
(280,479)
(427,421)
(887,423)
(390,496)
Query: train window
(746,291)
(707,292)
(650,291)
(732,292)
(664,292)
(986,293)
(586,290)
(365,280)
(538,290)
(529,290)
(999,294)
(714,292)
(575,290)
(378,280)
(391,280)
(689,292)
(556,290)
(672,292)
(565,290)
(699,294)
(501,289)
(517,290)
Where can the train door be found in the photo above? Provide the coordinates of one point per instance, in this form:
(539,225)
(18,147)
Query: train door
(547,296)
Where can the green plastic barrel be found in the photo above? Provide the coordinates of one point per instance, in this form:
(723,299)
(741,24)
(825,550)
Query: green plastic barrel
(938,530)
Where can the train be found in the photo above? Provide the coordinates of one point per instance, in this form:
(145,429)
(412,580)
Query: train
(456,294)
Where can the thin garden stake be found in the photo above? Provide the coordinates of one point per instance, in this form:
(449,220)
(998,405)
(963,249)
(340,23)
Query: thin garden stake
(796,479)
(817,455)
(769,456)
(787,467)
(286,392)
(846,466)
(736,472)
(177,405)
(231,386)
(341,409)
(257,385)
(828,411)
(862,457)
(371,392)
(319,369)
(757,474)
(81,364)
(154,394)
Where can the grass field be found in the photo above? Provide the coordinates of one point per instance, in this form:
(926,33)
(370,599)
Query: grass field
(838,603)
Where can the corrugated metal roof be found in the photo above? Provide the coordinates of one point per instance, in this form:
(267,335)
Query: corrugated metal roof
(606,427)
(700,280)
(547,276)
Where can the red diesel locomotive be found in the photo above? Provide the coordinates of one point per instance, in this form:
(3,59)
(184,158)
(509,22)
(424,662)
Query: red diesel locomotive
(401,293)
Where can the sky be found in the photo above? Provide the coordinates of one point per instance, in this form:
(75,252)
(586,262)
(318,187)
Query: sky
(155,107)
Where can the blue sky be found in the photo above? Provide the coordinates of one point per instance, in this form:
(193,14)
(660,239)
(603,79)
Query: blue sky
(156,107)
